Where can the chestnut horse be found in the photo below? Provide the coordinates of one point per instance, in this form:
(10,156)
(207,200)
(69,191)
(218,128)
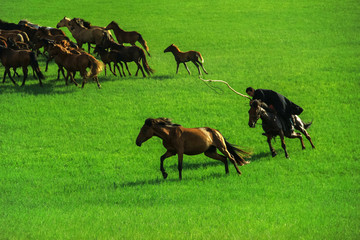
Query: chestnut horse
(183,57)
(19,58)
(273,125)
(76,62)
(82,34)
(190,141)
(127,37)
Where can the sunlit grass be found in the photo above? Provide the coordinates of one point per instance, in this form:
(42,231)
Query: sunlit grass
(70,168)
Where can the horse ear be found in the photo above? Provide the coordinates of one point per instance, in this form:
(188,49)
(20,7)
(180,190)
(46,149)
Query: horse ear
(148,122)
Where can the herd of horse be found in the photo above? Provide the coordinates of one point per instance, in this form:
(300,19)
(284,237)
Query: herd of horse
(21,43)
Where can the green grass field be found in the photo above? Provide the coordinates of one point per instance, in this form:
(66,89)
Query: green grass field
(69,166)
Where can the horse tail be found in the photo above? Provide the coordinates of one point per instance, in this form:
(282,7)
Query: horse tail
(307,125)
(95,67)
(199,56)
(238,153)
(35,65)
(144,44)
(146,66)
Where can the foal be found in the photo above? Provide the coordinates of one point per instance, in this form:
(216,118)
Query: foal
(190,141)
(19,58)
(183,57)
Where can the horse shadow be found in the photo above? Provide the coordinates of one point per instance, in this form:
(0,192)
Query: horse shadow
(159,180)
(33,88)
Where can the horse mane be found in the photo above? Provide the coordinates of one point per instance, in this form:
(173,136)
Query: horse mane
(161,122)
(83,22)
(262,105)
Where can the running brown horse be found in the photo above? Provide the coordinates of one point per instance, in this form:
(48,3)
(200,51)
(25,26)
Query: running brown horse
(19,58)
(183,57)
(190,141)
(273,126)
(82,34)
(76,62)
(127,37)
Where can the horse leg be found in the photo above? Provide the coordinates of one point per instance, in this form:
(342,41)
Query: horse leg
(180,163)
(177,67)
(7,71)
(298,135)
(220,144)
(25,72)
(272,150)
(113,71)
(162,158)
(202,66)
(283,145)
(197,66)
(303,131)
(140,67)
(72,78)
(127,68)
(187,68)
(96,79)
(211,153)
(117,66)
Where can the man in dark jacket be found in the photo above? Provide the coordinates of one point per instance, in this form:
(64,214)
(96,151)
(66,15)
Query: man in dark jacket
(283,106)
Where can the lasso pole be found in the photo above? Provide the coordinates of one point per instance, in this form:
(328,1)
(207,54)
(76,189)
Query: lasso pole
(221,81)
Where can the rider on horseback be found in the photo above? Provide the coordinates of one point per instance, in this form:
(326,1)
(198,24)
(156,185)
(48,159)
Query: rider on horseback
(283,106)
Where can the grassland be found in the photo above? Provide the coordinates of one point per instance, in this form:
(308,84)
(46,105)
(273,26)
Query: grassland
(69,166)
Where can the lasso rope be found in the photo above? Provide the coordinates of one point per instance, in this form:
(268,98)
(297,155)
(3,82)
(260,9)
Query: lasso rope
(221,81)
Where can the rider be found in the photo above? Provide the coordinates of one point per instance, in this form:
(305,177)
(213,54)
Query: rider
(283,106)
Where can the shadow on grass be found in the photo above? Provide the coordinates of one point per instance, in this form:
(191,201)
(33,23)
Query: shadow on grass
(159,181)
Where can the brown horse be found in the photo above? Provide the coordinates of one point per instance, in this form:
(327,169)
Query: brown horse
(109,57)
(76,62)
(19,58)
(82,34)
(183,57)
(127,37)
(190,141)
(273,125)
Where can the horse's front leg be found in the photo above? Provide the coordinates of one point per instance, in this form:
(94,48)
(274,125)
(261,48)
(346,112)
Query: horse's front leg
(162,158)
(180,163)
(283,145)
(272,150)
(177,67)
(25,72)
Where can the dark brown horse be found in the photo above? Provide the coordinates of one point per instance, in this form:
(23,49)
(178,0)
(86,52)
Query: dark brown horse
(273,126)
(108,57)
(183,57)
(127,37)
(19,58)
(190,141)
(77,62)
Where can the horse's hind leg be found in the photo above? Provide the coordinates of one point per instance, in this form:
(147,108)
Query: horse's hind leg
(187,68)
(140,67)
(303,131)
(211,153)
(197,66)
(298,135)
(202,66)
(162,158)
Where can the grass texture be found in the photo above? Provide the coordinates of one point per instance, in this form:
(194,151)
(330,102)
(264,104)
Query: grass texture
(69,166)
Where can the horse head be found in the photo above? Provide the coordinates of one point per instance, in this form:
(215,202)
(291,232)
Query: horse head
(169,48)
(255,112)
(63,22)
(146,132)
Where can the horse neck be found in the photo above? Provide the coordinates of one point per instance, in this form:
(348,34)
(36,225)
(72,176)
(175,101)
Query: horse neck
(116,27)
(175,50)
(266,116)
(162,132)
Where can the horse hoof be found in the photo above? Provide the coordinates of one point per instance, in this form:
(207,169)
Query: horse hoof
(273,154)
(165,175)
